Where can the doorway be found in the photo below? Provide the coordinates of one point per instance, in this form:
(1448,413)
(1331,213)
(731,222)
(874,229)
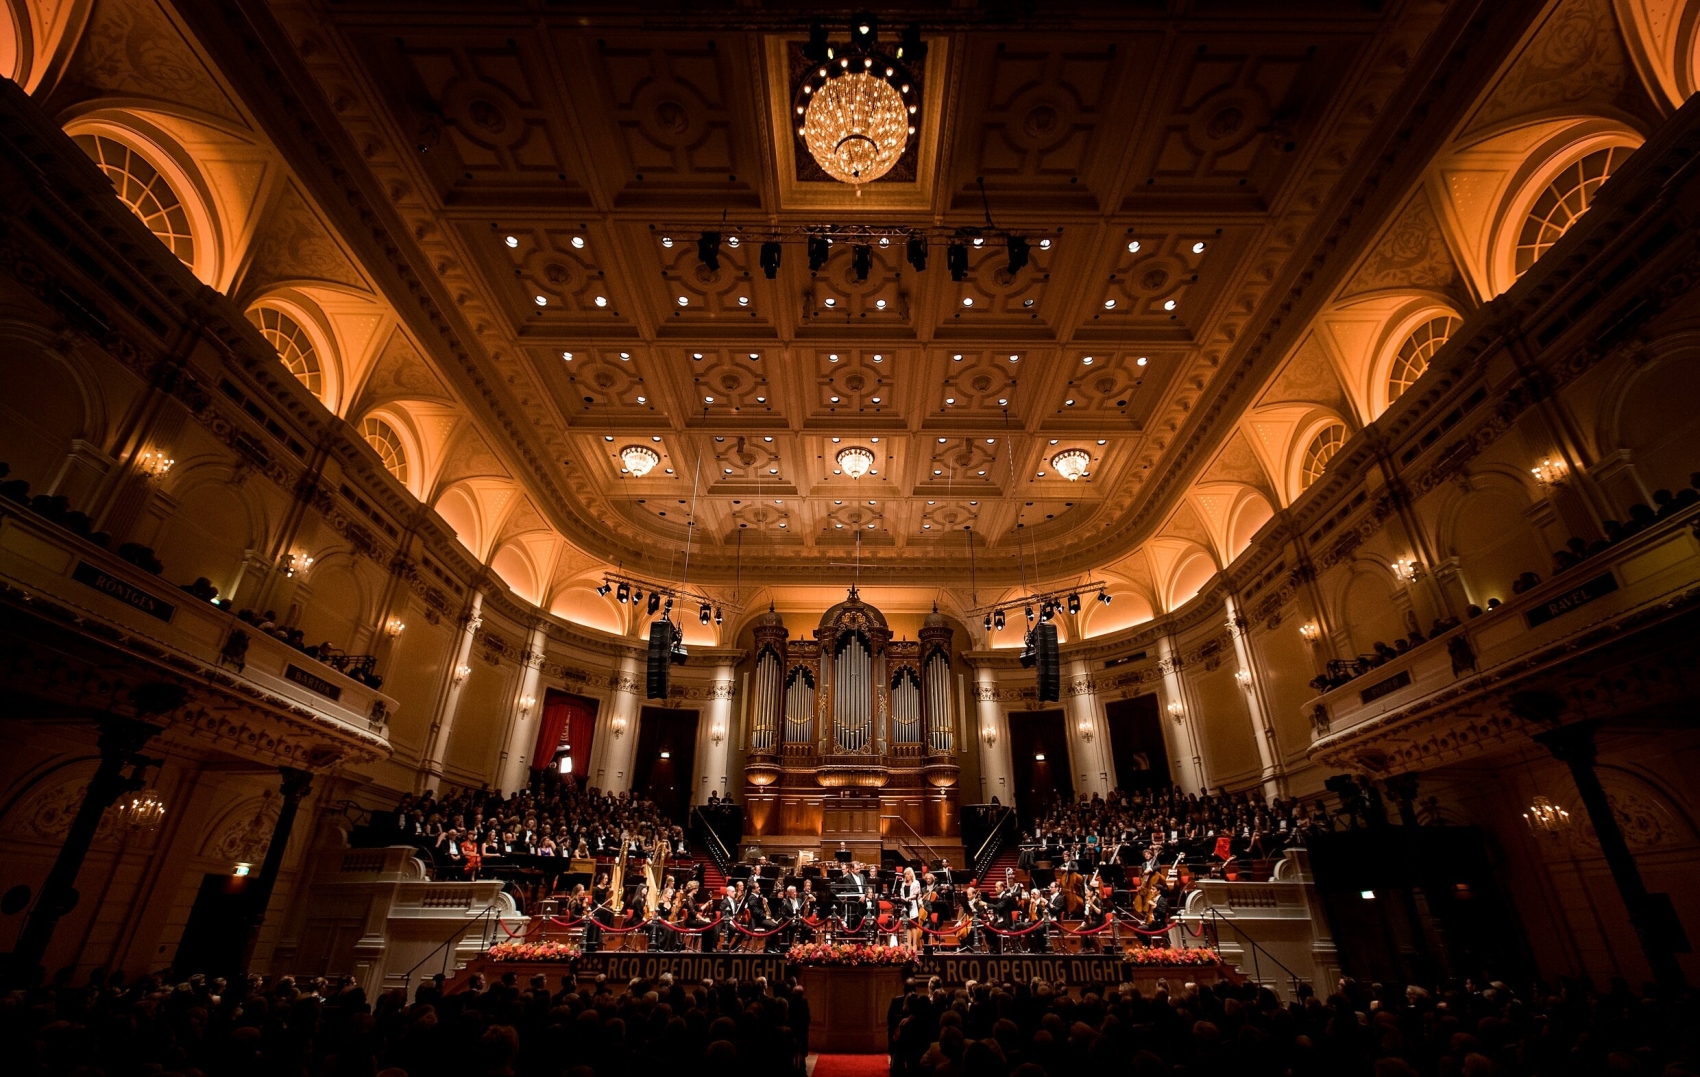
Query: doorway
(1038,749)
(218,926)
(1137,747)
(666,751)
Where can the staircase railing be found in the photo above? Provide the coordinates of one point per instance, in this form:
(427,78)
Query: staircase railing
(909,846)
(1258,953)
(485,918)
(717,850)
(990,848)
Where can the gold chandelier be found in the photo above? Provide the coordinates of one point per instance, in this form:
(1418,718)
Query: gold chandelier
(855,461)
(640,460)
(1071,464)
(856,125)
(1545,817)
(140,811)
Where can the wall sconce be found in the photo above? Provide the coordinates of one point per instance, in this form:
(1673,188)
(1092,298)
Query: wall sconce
(1407,570)
(393,627)
(296,562)
(989,734)
(1310,632)
(717,734)
(618,725)
(154,463)
(1176,710)
(1550,473)
(1085,729)
(1243,676)
(525,705)
(462,673)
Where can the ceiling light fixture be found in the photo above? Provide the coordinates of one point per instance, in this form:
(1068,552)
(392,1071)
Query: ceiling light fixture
(855,461)
(1071,463)
(856,123)
(640,460)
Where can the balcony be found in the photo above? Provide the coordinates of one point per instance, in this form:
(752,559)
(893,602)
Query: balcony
(119,601)
(1640,583)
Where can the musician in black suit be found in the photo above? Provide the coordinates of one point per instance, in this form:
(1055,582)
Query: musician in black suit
(722,936)
(790,910)
(760,919)
(856,902)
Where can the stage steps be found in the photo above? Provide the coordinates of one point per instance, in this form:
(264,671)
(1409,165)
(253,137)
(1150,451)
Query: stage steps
(1005,859)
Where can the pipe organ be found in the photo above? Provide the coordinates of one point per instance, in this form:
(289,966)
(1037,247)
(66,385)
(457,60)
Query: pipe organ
(852,739)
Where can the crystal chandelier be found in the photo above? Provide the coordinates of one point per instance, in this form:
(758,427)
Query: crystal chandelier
(855,461)
(857,108)
(1545,817)
(140,811)
(639,459)
(1071,464)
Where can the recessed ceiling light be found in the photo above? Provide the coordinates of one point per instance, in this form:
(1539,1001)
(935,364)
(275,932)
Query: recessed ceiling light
(669,471)
(773,471)
(1041,474)
(967,300)
(876,441)
(979,241)
(832,302)
(839,526)
(1086,360)
(666,241)
(1133,246)
(832,358)
(835,441)
(1015,358)
(696,355)
(870,527)
(1044,244)
(957,358)
(835,400)
(1026,302)
(1109,304)
(991,441)
(838,502)
(578,243)
(936,471)
(941,441)
(684,301)
(1053,441)
(761,399)
(743,301)
(873,502)
(605,437)
(879,304)
(932,502)
(643,400)
(878,358)
(767,439)
(568,356)
(1142,360)
(778,501)
(512,241)
(975,502)
(708,400)
(982,473)
(1170,305)
(541,300)
(727,470)
(626,356)
(601,300)
(1198,248)
(926,527)
(950,400)
(1002,401)
(732,241)
(1101,441)
(876,400)
(755,355)
(782,523)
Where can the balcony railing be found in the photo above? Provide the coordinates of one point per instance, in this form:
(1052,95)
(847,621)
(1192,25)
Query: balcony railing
(37,555)
(1636,574)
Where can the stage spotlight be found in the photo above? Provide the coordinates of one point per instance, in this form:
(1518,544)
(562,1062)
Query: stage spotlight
(719,617)
(988,622)
(861,260)
(1029,614)
(918,252)
(1104,596)
(704,613)
(770,258)
(820,249)
(1017,254)
(815,50)
(1028,653)
(708,250)
(604,589)
(998,620)
(910,48)
(1047,611)
(956,260)
(654,602)
(622,593)
(637,595)
(864,31)
(1074,603)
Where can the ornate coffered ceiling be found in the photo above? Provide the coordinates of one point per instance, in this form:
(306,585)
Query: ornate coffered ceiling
(1194,179)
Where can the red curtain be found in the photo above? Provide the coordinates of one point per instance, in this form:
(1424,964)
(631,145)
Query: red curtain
(566,719)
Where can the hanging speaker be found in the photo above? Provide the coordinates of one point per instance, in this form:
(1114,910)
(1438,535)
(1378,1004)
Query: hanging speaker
(660,657)
(1049,663)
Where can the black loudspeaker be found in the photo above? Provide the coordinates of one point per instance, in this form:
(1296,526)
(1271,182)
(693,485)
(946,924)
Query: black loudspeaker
(660,657)
(1049,662)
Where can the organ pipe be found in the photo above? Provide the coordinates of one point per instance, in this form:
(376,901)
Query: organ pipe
(906,708)
(939,724)
(800,708)
(767,702)
(852,694)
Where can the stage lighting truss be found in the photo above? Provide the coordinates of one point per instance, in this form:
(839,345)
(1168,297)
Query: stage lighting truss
(819,241)
(1038,607)
(663,596)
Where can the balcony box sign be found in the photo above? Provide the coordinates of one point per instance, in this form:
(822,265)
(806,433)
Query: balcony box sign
(1381,688)
(1559,605)
(311,683)
(129,594)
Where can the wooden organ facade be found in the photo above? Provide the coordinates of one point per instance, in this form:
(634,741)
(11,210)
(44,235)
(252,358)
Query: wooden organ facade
(852,738)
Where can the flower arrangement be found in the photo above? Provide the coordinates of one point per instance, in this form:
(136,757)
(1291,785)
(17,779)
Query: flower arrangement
(533,951)
(1171,955)
(849,953)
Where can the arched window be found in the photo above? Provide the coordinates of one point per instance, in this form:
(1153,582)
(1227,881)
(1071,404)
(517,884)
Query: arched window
(383,438)
(1415,353)
(293,346)
(1321,450)
(1565,198)
(145,191)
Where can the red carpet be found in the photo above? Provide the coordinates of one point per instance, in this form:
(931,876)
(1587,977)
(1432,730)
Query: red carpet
(852,1066)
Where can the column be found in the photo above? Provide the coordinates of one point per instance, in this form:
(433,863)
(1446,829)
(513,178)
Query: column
(295,787)
(1179,718)
(120,741)
(1651,914)
(1088,733)
(617,728)
(714,738)
(996,771)
(442,723)
(1251,683)
(525,711)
